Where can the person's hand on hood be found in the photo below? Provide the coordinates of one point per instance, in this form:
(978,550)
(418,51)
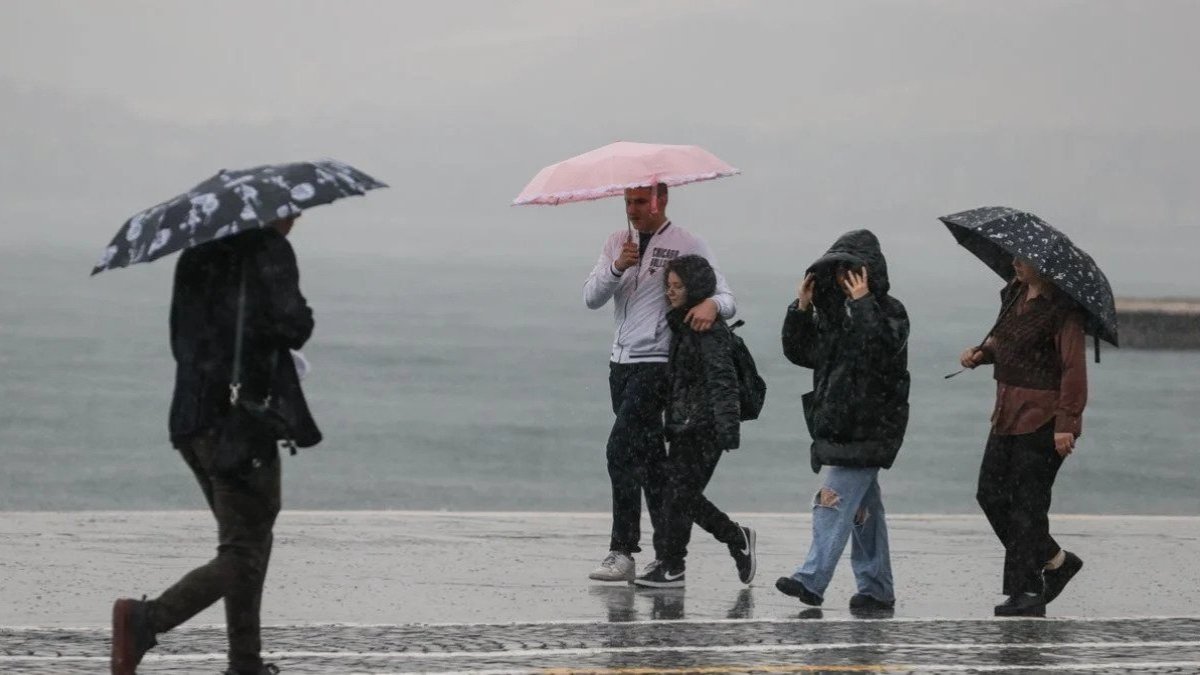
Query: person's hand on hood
(856,284)
(804,295)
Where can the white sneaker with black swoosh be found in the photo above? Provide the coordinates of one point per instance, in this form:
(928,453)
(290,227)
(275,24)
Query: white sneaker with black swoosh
(662,576)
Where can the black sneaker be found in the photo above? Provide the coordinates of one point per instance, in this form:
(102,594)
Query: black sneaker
(864,606)
(864,601)
(1056,580)
(744,556)
(789,586)
(662,576)
(132,635)
(1023,604)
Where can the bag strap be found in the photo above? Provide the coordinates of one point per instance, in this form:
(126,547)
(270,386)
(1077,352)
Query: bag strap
(235,378)
(736,325)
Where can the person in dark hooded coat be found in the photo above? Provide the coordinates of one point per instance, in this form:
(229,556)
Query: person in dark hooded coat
(703,420)
(853,334)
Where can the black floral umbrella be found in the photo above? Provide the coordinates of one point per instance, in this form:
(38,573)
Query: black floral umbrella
(997,234)
(231,202)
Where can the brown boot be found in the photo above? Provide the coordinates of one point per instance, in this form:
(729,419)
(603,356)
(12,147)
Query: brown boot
(132,635)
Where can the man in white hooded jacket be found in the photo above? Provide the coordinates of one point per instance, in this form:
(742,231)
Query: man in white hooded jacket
(630,273)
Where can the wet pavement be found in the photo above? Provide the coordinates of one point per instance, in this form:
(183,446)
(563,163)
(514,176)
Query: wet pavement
(797,645)
(437,592)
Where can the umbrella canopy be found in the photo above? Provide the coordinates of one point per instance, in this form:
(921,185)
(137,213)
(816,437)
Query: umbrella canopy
(610,170)
(997,234)
(228,203)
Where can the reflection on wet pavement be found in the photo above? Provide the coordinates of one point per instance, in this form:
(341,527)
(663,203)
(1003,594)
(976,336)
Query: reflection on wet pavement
(629,643)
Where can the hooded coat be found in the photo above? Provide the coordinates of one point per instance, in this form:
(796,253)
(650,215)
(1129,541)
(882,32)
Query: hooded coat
(857,412)
(703,394)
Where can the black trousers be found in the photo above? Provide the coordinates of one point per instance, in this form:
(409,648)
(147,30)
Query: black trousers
(636,451)
(245,507)
(1015,482)
(689,467)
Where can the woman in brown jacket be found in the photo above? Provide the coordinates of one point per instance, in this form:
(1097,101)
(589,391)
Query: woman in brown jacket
(1037,349)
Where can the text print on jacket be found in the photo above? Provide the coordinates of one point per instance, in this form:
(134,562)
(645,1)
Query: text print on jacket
(639,303)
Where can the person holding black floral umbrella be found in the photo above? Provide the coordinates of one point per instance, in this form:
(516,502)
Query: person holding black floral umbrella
(237,317)
(1055,296)
(1039,358)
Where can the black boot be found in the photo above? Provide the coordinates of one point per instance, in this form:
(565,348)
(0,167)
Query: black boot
(1023,604)
(789,586)
(1056,580)
(867,607)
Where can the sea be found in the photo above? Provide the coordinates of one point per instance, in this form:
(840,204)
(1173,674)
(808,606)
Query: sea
(481,385)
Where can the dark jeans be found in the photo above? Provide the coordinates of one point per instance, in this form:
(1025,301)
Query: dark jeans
(690,465)
(1015,481)
(636,450)
(245,508)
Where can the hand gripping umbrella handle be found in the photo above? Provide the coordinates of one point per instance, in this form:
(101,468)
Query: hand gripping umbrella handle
(1004,310)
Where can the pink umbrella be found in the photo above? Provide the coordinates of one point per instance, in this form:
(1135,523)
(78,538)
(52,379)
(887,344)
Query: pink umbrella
(610,170)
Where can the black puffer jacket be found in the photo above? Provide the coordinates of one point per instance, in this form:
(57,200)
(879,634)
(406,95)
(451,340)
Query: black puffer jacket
(703,395)
(857,413)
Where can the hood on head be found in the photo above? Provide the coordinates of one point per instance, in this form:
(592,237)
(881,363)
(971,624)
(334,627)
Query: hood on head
(853,249)
(697,275)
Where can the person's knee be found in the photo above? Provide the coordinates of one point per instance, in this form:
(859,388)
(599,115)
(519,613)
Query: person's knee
(618,451)
(988,500)
(245,559)
(861,516)
(629,439)
(614,454)
(250,547)
(685,500)
(827,498)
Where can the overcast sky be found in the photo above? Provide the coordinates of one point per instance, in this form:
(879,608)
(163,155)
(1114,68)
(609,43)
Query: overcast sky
(840,113)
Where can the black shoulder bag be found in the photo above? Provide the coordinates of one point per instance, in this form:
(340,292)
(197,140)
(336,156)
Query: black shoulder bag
(250,433)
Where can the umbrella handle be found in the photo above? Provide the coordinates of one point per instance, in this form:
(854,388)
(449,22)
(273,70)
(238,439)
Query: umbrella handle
(1003,310)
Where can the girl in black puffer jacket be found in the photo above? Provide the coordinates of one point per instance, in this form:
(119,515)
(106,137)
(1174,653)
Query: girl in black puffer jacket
(702,421)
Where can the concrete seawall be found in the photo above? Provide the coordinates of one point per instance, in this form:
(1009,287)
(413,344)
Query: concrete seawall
(1162,323)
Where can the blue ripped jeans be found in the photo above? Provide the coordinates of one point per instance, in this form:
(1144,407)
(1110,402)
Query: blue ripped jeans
(849,504)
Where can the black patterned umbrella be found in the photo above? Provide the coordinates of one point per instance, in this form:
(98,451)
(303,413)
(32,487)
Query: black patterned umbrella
(231,202)
(995,234)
